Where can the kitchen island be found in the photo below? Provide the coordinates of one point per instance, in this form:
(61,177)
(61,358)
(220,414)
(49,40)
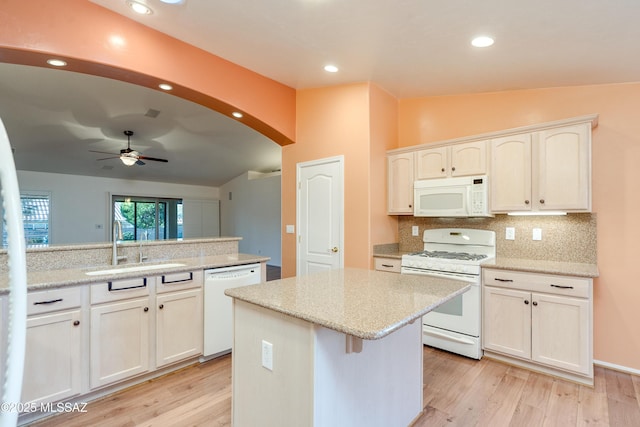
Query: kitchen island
(340,347)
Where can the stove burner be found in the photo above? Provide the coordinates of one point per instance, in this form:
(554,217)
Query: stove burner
(451,255)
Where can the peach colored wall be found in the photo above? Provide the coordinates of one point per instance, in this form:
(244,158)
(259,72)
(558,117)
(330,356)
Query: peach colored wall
(80,32)
(616,172)
(330,122)
(383,137)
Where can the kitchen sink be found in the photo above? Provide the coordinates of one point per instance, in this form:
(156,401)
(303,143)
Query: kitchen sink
(133,269)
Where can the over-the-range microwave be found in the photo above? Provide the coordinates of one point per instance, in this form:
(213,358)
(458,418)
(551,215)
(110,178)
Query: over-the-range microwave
(466,196)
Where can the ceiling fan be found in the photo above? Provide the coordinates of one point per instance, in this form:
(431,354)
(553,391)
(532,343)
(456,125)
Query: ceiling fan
(128,156)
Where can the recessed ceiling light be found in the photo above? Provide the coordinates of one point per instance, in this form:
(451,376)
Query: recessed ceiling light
(139,7)
(331,68)
(56,62)
(237,114)
(165,86)
(482,41)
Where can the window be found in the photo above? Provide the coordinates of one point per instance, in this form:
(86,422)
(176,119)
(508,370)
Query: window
(148,218)
(35,218)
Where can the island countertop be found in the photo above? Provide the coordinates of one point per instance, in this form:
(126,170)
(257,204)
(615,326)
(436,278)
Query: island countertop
(363,303)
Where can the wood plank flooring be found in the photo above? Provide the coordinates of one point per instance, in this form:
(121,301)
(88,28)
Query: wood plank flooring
(457,392)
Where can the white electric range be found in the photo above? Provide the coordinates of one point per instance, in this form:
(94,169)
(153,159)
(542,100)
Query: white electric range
(455,253)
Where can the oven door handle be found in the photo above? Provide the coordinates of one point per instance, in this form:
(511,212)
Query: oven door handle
(448,337)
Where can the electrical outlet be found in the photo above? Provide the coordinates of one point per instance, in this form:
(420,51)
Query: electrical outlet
(537,234)
(510,233)
(267,355)
(290,229)
(415,231)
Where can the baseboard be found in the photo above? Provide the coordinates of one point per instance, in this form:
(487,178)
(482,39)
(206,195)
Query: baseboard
(615,367)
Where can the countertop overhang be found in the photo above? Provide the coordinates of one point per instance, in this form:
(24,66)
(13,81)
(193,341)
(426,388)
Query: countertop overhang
(366,304)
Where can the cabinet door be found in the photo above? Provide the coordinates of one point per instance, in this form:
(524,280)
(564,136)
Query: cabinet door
(560,332)
(119,341)
(511,173)
(400,184)
(52,369)
(469,159)
(179,326)
(564,169)
(432,163)
(507,321)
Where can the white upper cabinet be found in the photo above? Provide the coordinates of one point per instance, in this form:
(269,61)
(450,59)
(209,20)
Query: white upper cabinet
(542,171)
(510,177)
(564,169)
(454,160)
(400,184)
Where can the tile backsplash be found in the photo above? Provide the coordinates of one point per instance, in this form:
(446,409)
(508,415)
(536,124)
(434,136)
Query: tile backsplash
(570,238)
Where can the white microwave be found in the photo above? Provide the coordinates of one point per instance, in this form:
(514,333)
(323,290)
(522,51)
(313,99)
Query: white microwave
(466,196)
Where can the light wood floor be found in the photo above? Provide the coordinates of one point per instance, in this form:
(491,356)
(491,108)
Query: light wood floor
(458,392)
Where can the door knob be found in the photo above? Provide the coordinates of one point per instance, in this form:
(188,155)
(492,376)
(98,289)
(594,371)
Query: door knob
(335,249)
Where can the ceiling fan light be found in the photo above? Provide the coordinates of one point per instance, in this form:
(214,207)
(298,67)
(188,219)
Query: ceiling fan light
(128,160)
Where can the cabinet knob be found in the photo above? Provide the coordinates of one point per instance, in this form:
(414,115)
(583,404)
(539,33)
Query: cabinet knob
(411,206)
(442,170)
(334,249)
(526,302)
(146,309)
(161,306)
(542,201)
(526,202)
(535,303)
(453,168)
(76,323)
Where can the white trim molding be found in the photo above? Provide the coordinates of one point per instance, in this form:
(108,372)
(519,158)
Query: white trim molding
(615,367)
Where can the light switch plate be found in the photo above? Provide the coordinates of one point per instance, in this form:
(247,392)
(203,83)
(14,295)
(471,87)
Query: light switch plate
(267,355)
(415,231)
(510,233)
(290,229)
(537,234)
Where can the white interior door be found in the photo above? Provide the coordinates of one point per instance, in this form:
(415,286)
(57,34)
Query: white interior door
(320,215)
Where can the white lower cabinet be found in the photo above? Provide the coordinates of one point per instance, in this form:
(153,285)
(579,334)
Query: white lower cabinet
(179,317)
(120,331)
(53,351)
(542,319)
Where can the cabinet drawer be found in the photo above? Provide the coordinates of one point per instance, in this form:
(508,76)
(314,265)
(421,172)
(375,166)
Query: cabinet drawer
(178,281)
(120,289)
(551,284)
(388,264)
(53,300)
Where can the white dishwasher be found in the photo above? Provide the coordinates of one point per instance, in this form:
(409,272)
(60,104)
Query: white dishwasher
(218,308)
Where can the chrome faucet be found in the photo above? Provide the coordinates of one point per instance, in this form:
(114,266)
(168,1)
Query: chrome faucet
(117,235)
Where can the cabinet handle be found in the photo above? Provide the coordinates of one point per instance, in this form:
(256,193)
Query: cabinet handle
(146,309)
(526,202)
(542,201)
(502,280)
(47,302)
(526,302)
(535,303)
(161,306)
(76,323)
(561,287)
(387,265)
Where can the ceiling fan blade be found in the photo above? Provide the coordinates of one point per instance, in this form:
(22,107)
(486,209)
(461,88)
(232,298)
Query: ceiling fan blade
(107,158)
(155,159)
(103,152)
(140,163)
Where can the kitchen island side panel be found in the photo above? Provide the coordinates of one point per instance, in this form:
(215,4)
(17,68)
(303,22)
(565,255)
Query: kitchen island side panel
(315,381)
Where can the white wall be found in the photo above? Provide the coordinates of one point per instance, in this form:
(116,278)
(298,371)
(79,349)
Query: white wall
(80,205)
(253,213)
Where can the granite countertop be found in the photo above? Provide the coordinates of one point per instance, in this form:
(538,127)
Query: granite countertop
(41,280)
(542,266)
(366,304)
